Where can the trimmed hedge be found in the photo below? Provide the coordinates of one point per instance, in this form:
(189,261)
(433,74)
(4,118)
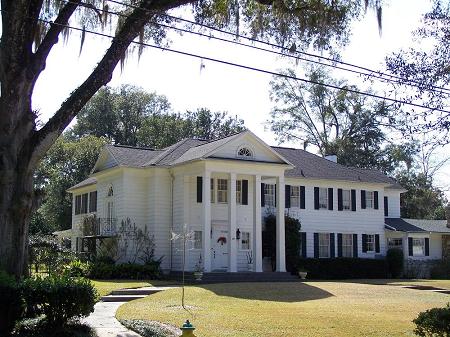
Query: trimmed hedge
(441,270)
(395,261)
(433,322)
(344,268)
(106,271)
(12,305)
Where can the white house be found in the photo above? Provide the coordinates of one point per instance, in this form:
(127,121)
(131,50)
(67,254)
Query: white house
(221,191)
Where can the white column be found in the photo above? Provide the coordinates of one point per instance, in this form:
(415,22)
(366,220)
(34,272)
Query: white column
(232,247)
(206,210)
(280,245)
(257,228)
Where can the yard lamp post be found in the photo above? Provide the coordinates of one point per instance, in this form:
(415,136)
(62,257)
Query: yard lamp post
(187,329)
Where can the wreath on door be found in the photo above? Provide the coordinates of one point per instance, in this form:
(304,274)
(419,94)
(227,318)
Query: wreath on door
(222,240)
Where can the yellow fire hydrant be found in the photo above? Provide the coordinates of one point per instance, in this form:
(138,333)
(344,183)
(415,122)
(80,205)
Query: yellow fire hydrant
(187,329)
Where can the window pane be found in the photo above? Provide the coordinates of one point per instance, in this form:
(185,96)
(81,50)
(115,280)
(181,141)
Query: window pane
(93,201)
(370,243)
(418,247)
(395,243)
(295,196)
(323,198)
(222,190)
(324,245)
(239,191)
(197,239)
(369,199)
(245,240)
(346,199)
(347,245)
(84,203)
(269,194)
(213,199)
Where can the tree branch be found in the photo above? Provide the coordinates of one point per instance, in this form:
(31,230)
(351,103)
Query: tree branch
(51,38)
(101,75)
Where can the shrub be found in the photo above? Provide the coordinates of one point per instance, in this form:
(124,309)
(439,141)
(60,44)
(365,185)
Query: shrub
(125,271)
(395,261)
(441,270)
(77,268)
(60,299)
(343,268)
(433,323)
(12,304)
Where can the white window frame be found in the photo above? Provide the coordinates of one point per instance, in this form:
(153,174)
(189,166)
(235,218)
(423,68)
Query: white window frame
(418,246)
(245,241)
(324,246)
(244,152)
(370,243)
(213,194)
(295,196)
(222,191)
(346,200)
(347,245)
(323,198)
(391,245)
(370,199)
(239,192)
(269,195)
(198,240)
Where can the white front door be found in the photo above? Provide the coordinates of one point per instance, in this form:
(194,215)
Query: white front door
(219,247)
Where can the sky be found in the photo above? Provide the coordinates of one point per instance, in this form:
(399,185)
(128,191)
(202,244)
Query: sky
(242,93)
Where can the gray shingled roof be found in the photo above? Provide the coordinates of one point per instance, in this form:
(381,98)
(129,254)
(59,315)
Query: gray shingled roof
(378,175)
(132,156)
(85,182)
(417,225)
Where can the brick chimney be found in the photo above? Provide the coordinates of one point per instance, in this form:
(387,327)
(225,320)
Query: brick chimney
(447,215)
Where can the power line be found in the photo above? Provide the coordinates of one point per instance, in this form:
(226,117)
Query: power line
(264,71)
(371,72)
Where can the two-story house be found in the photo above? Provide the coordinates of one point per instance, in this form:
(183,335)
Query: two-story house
(221,190)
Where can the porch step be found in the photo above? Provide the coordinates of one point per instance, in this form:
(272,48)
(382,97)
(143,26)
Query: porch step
(121,298)
(224,277)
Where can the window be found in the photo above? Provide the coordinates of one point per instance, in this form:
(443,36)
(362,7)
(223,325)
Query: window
(347,245)
(395,243)
(110,191)
(370,243)
(419,247)
(295,196)
(369,199)
(77,204)
(245,240)
(84,203)
(213,199)
(324,245)
(222,191)
(346,200)
(198,239)
(245,152)
(239,191)
(269,195)
(110,209)
(93,201)
(323,198)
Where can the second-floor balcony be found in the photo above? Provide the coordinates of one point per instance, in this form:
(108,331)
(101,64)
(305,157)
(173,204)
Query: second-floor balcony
(101,227)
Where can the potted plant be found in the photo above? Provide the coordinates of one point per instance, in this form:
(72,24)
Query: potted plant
(302,273)
(198,272)
(250,260)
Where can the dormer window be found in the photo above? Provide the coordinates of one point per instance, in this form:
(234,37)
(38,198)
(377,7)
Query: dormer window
(110,191)
(245,152)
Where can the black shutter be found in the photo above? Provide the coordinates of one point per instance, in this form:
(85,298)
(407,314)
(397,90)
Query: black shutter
(354,200)
(375,199)
(316,198)
(386,206)
(316,245)
(304,243)
(410,247)
(263,199)
(199,189)
(330,198)
(93,201)
(287,196)
(340,203)
(302,197)
(275,191)
(364,243)
(244,192)
(77,204)
(355,245)
(427,247)
(332,246)
(339,242)
(363,199)
(377,243)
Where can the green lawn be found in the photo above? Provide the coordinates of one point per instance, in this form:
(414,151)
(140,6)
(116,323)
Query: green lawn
(309,309)
(104,287)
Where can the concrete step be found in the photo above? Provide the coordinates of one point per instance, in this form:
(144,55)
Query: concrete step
(121,298)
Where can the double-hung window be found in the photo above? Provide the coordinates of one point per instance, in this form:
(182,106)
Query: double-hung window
(93,201)
(77,204)
(222,191)
(347,245)
(245,240)
(239,192)
(324,245)
(419,247)
(370,243)
(84,203)
(346,200)
(395,243)
(269,195)
(323,198)
(369,199)
(198,237)
(213,195)
(295,196)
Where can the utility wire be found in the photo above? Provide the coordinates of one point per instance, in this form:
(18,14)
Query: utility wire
(370,73)
(264,71)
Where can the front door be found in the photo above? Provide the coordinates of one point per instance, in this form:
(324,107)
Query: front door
(219,248)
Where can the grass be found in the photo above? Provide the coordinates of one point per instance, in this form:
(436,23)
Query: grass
(104,287)
(309,309)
